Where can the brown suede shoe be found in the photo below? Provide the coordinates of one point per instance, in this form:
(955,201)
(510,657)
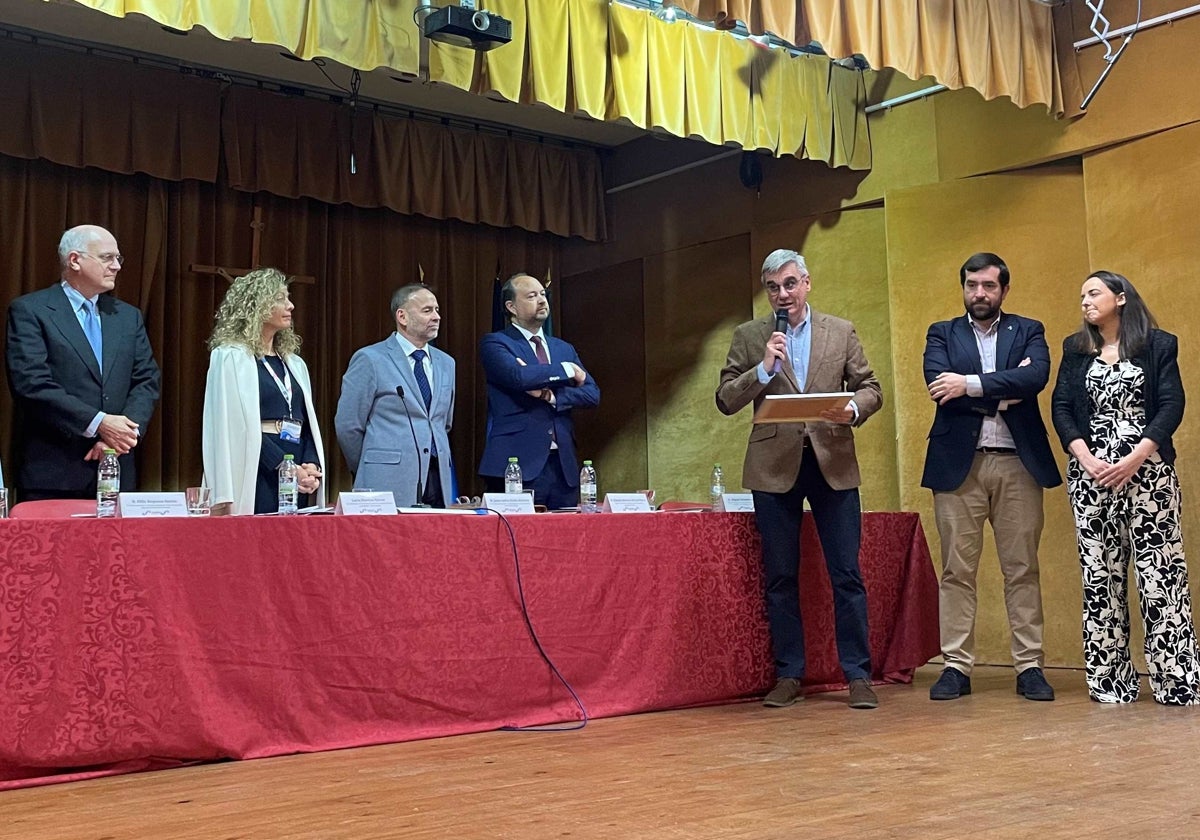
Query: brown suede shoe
(862,696)
(785,693)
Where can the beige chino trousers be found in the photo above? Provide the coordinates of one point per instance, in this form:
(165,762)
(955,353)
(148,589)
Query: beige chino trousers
(998,489)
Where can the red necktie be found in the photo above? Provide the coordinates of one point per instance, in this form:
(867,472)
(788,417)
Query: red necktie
(539,349)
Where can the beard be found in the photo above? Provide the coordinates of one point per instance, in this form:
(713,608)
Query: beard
(983,311)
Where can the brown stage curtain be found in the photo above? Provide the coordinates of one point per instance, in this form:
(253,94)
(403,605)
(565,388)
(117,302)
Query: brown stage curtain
(357,255)
(82,110)
(997,47)
(302,147)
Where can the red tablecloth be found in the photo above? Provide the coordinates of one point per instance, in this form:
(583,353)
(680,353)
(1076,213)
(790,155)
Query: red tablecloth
(133,644)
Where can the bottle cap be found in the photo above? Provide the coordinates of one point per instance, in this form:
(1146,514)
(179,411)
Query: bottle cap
(289,457)
(512,460)
(587,463)
(108,451)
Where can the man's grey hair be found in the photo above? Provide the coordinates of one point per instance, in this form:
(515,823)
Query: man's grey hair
(780,257)
(401,296)
(77,239)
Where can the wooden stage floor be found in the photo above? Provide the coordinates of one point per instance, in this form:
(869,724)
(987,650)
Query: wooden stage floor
(991,765)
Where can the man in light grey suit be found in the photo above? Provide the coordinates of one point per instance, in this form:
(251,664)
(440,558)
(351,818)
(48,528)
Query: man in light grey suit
(399,380)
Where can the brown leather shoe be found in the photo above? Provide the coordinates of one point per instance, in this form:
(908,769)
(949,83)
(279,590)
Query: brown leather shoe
(862,696)
(785,693)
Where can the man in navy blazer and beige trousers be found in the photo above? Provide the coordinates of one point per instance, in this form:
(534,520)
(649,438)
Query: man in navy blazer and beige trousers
(988,459)
(373,419)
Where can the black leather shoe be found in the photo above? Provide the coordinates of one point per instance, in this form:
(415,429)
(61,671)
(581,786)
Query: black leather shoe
(1032,685)
(951,685)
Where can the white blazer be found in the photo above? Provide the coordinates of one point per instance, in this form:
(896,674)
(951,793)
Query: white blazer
(232,437)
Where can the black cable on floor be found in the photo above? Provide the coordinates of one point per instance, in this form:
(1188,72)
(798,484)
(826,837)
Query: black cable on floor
(512,538)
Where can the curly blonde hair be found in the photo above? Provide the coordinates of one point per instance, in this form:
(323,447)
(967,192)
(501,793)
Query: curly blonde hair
(247,306)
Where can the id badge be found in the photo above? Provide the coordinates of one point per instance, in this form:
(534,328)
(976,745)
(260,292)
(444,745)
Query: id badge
(289,430)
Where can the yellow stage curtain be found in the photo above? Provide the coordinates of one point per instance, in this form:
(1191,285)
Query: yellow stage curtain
(605,61)
(997,47)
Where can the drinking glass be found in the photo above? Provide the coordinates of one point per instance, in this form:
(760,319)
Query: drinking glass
(199,501)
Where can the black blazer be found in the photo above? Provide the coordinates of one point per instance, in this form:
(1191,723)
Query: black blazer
(58,388)
(954,436)
(1070,408)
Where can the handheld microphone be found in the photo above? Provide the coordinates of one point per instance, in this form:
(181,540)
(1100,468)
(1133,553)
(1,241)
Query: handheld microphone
(781,325)
(416,447)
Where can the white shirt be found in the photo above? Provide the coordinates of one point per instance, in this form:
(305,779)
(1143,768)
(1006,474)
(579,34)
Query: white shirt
(994,431)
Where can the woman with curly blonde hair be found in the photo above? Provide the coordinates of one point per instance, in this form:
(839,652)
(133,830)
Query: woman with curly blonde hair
(258,400)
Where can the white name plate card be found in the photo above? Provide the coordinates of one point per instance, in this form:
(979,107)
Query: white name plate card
(509,503)
(626,503)
(147,505)
(735,503)
(366,503)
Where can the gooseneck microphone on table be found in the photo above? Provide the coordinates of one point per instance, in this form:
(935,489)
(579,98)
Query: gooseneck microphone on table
(781,325)
(416,447)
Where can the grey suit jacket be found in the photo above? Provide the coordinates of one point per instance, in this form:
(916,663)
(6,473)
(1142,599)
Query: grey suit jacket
(836,363)
(372,422)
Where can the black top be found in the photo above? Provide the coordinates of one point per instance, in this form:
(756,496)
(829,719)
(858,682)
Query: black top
(1071,407)
(273,406)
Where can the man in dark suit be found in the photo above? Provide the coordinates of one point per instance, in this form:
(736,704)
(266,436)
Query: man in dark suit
(988,459)
(81,372)
(788,463)
(534,382)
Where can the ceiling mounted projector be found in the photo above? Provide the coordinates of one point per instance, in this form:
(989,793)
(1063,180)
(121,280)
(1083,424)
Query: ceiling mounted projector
(465,26)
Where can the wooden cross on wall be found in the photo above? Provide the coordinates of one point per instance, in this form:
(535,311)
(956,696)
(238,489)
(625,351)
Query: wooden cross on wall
(229,274)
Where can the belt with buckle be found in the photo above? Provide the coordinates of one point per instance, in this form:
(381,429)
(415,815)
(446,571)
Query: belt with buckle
(997,450)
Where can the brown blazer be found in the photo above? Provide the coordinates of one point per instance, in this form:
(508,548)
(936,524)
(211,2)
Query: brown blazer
(836,363)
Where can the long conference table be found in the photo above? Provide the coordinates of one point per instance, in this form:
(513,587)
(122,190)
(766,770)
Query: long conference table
(130,645)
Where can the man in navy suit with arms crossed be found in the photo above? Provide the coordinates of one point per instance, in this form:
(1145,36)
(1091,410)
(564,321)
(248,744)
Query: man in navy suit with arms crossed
(988,459)
(534,382)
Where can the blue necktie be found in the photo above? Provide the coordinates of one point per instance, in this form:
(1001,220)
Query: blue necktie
(91,328)
(426,392)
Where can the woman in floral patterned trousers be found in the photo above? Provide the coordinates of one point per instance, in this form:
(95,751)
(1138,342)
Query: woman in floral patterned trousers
(1118,399)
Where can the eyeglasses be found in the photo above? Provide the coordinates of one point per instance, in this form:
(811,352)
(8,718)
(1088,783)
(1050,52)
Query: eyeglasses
(104,259)
(789,285)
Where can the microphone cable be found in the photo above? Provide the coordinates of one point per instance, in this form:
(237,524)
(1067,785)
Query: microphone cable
(512,538)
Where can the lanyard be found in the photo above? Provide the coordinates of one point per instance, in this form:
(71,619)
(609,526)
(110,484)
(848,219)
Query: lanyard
(285,387)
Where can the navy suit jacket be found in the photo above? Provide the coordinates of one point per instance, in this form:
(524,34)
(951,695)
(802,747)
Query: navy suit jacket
(58,387)
(520,425)
(951,346)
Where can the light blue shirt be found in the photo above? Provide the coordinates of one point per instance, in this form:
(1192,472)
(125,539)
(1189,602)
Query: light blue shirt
(407,347)
(77,303)
(799,351)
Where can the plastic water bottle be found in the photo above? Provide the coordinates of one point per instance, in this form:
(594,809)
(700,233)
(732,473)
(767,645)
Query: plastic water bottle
(716,485)
(512,477)
(587,488)
(288,485)
(108,484)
